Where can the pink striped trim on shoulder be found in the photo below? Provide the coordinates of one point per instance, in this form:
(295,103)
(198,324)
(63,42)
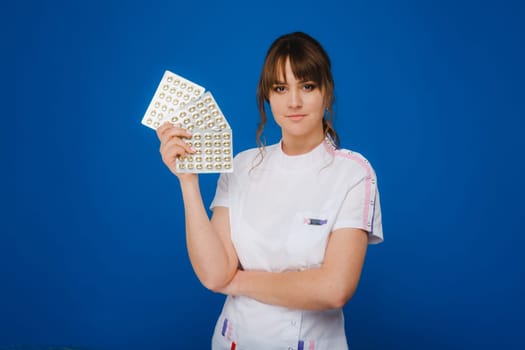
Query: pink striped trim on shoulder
(368,207)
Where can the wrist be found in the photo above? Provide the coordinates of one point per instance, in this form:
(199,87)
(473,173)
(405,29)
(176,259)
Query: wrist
(188,180)
(234,286)
(240,282)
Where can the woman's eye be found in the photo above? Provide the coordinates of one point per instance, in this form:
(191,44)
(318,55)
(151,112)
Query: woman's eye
(309,87)
(278,88)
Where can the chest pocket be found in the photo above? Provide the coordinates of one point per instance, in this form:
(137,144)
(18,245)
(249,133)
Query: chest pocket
(307,238)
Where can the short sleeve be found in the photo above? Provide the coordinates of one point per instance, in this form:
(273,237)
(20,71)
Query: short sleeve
(222,194)
(361,209)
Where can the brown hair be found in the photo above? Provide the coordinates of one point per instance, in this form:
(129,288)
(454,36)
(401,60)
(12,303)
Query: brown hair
(309,61)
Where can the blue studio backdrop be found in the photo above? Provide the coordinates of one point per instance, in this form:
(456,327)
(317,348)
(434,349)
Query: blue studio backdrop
(92,246)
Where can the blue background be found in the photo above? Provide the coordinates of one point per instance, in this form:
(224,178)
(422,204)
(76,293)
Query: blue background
(92,249)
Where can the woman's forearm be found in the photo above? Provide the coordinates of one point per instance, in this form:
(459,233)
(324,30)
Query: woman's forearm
(327,287)
(211,261)
(307,290)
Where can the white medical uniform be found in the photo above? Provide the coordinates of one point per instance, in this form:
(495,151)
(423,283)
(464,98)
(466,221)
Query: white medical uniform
(282,212)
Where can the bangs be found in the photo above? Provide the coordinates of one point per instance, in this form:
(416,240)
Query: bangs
(304,68)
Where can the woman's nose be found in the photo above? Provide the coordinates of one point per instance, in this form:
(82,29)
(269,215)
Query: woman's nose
(294,99)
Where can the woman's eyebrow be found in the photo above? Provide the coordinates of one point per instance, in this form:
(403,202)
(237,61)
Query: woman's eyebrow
(301,81)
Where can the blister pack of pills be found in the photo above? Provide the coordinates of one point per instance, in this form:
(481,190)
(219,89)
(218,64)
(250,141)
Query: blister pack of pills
(173,93)
(186,104)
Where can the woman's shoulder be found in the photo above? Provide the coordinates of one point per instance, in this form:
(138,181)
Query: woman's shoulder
(353,160)
(247,153)
(246,156)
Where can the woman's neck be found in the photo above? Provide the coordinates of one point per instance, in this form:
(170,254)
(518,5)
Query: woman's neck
(297,145)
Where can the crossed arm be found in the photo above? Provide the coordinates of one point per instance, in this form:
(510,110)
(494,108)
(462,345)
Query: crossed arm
(329,286)
(215,262)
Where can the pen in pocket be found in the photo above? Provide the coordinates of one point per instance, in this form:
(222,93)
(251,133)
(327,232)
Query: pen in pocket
(317,222)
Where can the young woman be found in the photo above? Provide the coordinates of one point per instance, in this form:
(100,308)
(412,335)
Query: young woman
(290,226)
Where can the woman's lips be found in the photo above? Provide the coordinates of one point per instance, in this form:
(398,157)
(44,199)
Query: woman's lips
(295,117)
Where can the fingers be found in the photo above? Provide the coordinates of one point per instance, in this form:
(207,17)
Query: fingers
(171,153)
(175,144)
(172,145)
(168,130)
(169,134)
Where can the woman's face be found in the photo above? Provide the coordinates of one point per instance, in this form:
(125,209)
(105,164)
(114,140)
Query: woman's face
(297,106)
